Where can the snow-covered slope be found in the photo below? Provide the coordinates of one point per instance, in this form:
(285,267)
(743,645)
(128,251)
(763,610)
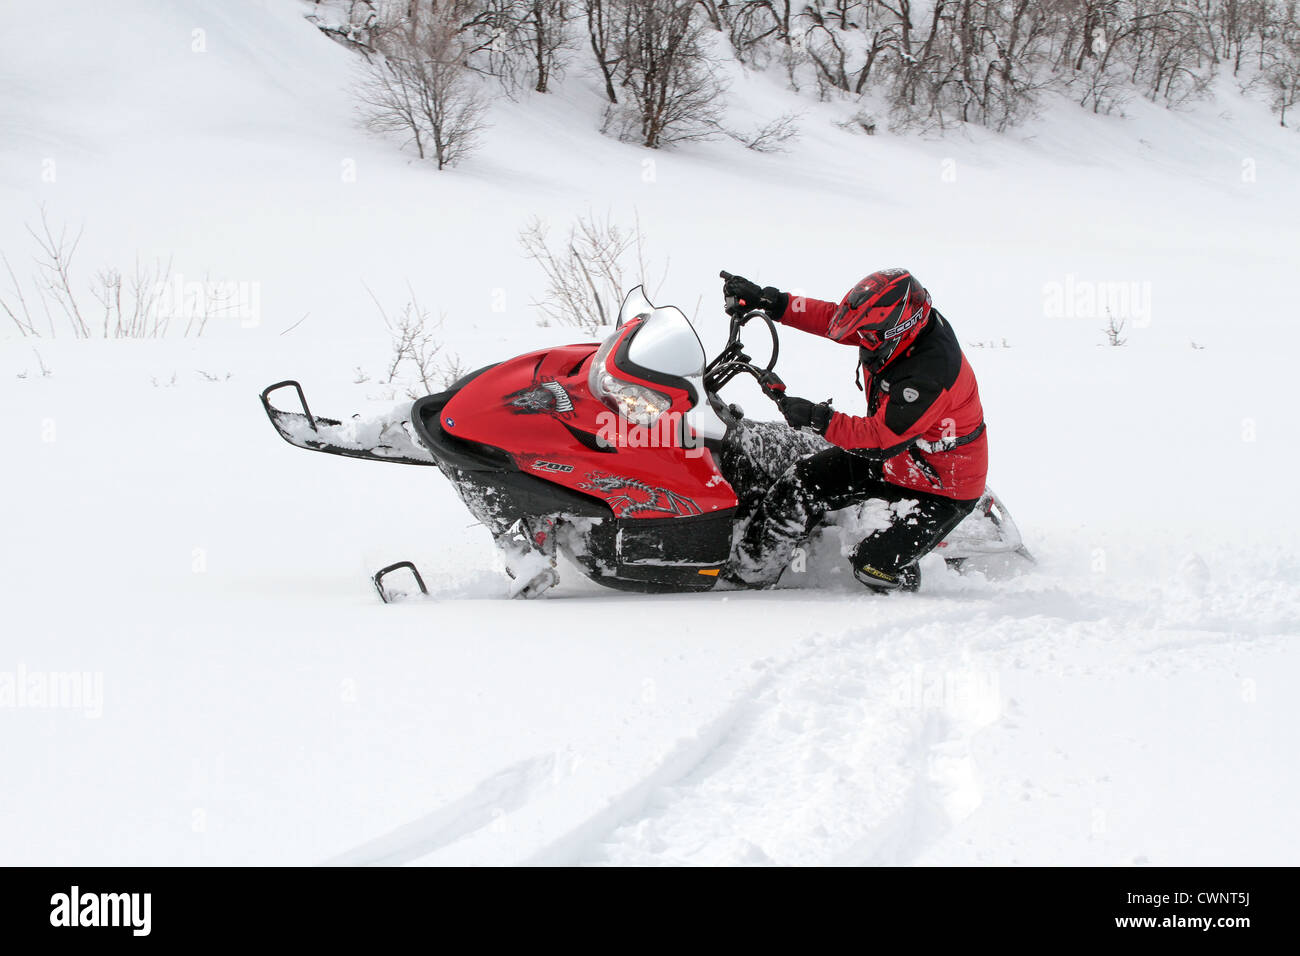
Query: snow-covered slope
(1129,700)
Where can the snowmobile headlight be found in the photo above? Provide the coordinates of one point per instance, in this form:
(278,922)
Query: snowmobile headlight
(638,404)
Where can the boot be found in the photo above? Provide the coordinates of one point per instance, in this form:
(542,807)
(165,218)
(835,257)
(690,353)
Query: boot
(883,582)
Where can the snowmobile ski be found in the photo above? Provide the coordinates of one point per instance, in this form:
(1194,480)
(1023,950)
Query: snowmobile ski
(387,596)
(384,438)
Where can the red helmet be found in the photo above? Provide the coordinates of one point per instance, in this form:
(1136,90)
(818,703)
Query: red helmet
(883,314)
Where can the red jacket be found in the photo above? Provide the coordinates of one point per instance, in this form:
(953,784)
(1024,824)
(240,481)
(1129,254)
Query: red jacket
(927,394)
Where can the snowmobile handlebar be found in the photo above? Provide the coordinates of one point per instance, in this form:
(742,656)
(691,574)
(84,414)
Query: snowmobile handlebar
(733,361)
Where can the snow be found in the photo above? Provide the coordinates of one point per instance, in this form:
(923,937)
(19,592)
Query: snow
(1127,701)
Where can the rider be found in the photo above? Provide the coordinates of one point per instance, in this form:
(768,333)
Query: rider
(921,446)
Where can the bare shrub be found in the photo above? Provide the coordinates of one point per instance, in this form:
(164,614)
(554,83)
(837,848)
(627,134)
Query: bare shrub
(1114,328)
(589,271)
(418,86)
(452,370)
(772,137)
(418,362)
(54,272)
(860,121)
(415,345)
(134,306)
(16,307)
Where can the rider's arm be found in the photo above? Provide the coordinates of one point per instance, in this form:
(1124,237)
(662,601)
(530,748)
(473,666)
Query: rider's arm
(896,425)
(808,315)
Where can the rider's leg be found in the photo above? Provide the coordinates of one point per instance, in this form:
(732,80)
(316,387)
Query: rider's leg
(830,479)
(886,560)
(756,454)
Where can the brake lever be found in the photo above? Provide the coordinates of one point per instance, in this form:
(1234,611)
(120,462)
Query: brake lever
(771,385)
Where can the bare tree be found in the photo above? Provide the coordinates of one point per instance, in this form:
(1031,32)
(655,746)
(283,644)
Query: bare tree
(1174,55)
(1281,75)
(978,61)
(419,86)
(1094,35)
(543,32)
(520,42)
(673,87)
(1284,82)
(935,63)
(845,41)
(754,26)
(602,18)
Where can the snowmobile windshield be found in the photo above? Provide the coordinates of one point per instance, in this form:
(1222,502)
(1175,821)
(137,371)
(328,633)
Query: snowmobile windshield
(663,348)
(666,341)
(635,306)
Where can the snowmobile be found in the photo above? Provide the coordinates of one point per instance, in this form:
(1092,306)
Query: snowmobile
(621,455)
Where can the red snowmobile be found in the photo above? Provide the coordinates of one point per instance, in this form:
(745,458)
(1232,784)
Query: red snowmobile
(620,455)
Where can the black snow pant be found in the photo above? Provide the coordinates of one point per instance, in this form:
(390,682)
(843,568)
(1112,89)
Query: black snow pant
(837,478)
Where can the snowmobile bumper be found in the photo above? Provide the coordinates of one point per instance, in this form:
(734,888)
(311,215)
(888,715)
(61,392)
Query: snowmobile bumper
(376,439)
(448,450)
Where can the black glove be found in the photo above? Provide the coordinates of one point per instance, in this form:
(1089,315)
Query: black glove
(801,413)
(749,296)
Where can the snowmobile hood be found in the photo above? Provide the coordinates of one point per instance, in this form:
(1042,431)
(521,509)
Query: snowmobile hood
(539,410)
